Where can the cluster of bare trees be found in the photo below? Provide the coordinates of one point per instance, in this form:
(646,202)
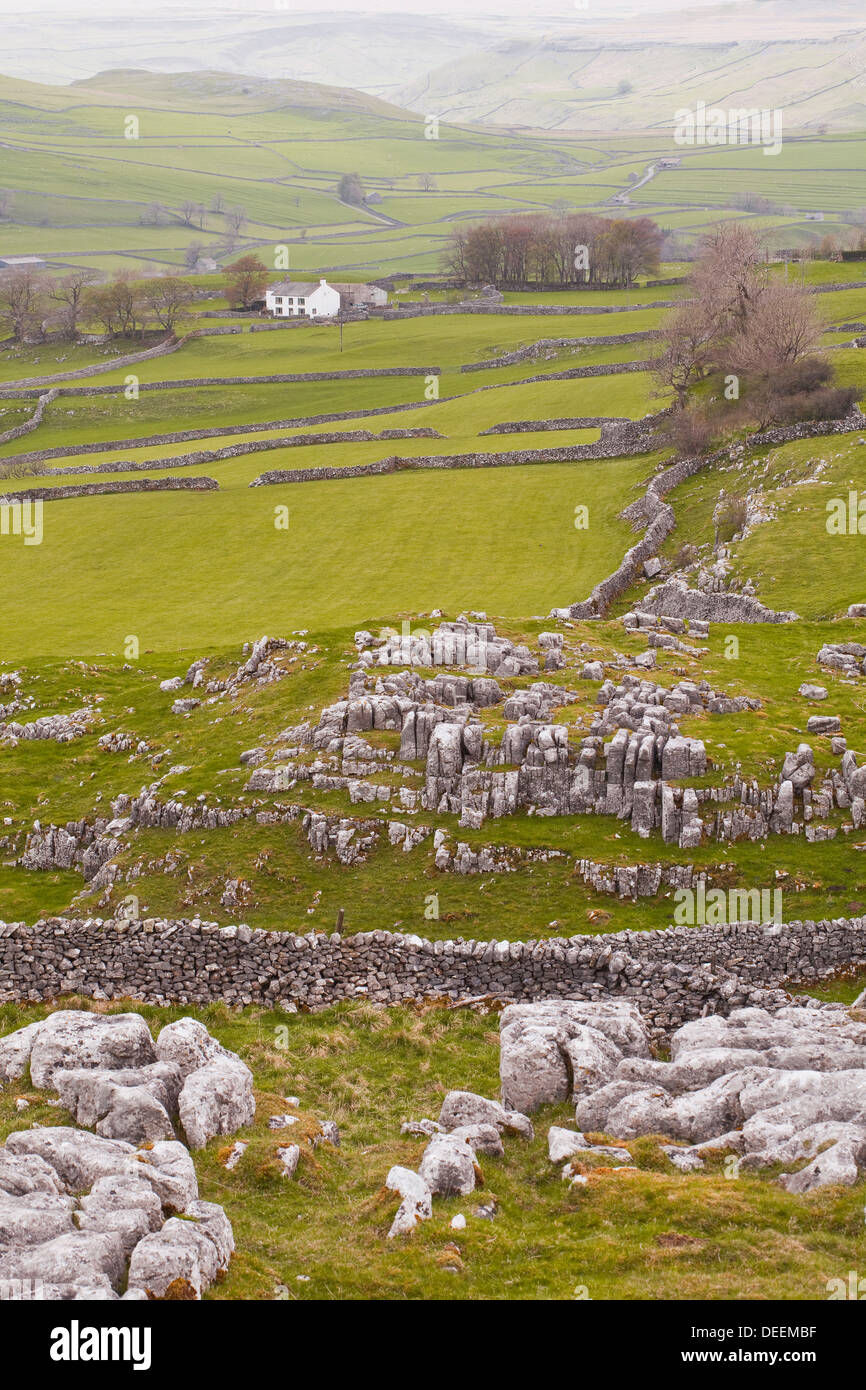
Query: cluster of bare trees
(32,305)
(830,246)
(741,348)
(193,214)
(570,249)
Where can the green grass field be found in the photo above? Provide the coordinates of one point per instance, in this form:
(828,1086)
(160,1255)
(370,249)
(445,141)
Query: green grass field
(81,187)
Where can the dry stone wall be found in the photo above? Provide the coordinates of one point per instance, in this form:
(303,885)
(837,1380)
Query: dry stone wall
(416,310)
(614,447)
(510,359)
(57,494)
(670,975)
(294,441)
(183,383)
(167,345)
(575,422)
(660,521)
(187,436)
(35,420)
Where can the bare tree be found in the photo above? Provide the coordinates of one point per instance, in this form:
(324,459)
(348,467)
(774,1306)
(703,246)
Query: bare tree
(22,301)
(118,305)
(628,247)
(154,215)
(690,345)
(69,294)
(168,299)
(235,219)
(754,334)
(730,275)
(193,254)
(7,202)
(783,328)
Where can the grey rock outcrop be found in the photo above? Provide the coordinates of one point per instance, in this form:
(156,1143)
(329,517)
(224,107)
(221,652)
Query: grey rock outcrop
(111,1075)
(776,1087)
(82,1216)
(545,1046)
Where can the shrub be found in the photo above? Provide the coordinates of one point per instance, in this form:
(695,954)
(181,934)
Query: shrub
(729,518)
(827,403)
(690,432)
(685,556)
(797,377)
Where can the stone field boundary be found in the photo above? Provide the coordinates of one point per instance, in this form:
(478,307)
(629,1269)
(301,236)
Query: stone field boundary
(672,975)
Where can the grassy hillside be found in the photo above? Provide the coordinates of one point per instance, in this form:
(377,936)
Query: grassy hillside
(83,191)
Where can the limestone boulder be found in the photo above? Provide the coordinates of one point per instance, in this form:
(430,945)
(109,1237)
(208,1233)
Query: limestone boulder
(74,1039)
(187,1045)
(182,1252)
(466,1108)
(34,1218)
(15,1051)
(217,1098)
(78,1158)
(540,1045)
(416,1204)
(133,1104)
(448,1166)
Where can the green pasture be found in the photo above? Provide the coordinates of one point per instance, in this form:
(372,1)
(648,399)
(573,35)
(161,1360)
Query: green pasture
(66,158)
(225,569)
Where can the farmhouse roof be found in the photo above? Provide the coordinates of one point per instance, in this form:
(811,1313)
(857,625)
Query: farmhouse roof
(295,287)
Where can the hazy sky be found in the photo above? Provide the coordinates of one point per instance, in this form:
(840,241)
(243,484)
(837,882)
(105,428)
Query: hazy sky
(466,8)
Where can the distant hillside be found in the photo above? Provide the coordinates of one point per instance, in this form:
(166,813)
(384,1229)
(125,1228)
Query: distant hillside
(568,82)
(222,92)
(373,51)
(551,66)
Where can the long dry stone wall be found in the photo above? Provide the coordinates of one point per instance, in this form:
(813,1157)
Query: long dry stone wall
(670,975)
(615,447)
(510,359)
(574,422)
(646,364)
(182,383)
(187,436)
(57,494)
(230,451)
(167,345)
(411,310)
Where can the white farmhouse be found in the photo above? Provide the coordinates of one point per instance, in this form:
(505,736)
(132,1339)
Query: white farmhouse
(294,298)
